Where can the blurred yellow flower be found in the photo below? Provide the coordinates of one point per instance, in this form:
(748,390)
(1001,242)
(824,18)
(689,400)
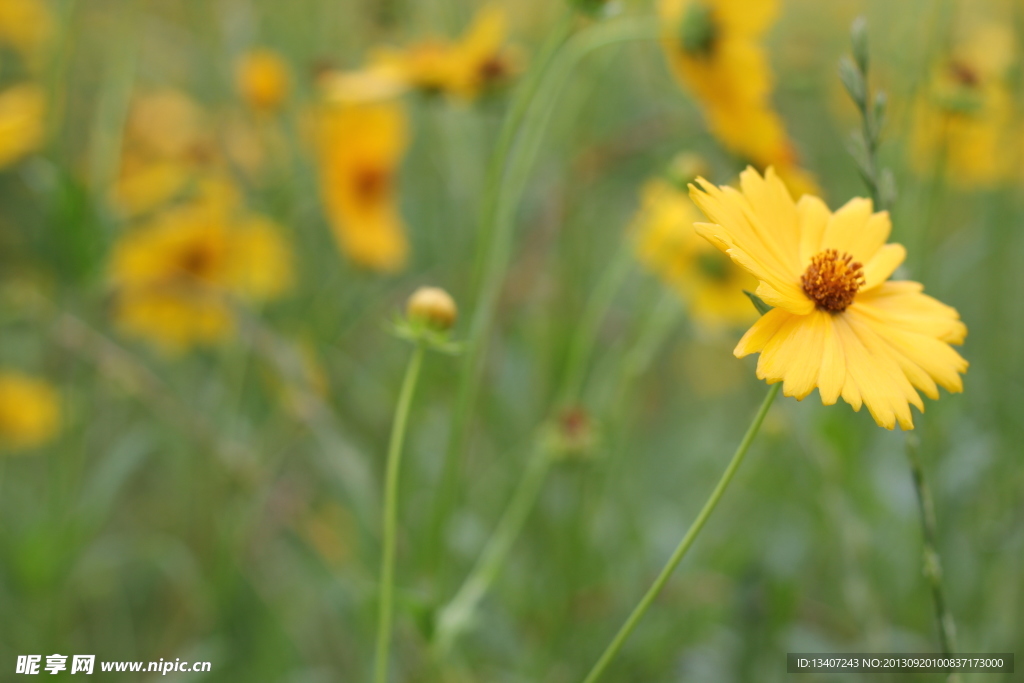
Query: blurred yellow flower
(26,26)
(176,277)
(29,412)
(667,244)
(262,79)
(167,142)
(713,48)
(963,121)
(839,324)
(465,68)
(360,147)
(22,122)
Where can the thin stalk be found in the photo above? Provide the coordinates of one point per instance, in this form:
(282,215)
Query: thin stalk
(487,279)
(684,546)
(932,561)
(387,570)
(499,223)
(586,332)
(457,615)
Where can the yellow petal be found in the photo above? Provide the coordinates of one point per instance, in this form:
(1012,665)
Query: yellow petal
(813,215)
(832,374)
(761,332)
(854,229)
(881,267)
(873,378)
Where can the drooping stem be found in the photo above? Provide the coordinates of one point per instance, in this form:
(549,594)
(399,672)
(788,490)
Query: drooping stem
(457,615)
(932,561)
(684,546)
(385,610)
(498,225)
(487,277)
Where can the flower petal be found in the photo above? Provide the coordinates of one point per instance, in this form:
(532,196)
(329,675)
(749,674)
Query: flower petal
(813,215)
(874,378)
(854,229)
(881,267)
(761,332)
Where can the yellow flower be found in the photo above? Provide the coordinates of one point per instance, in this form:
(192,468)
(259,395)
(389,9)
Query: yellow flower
(667,244)
(262,79)
(963,121)
(839,324)
(478,61)
(481,60)
(177,276)
(26,26)
(375,83)
(22,124)
(167,143)
(360,147)
(713,48)
(29,412)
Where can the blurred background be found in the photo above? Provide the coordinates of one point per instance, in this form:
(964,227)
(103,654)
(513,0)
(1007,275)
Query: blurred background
(211,211)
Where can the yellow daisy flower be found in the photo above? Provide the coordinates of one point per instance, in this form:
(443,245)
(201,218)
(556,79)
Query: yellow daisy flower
(29,412)
(175,277)
(167,143)
(26,26)
(481,60)
(262,79)
(964,118)
(713,48)
(667,245)
(839,324)
(360,147)
(22,122)
(465,68)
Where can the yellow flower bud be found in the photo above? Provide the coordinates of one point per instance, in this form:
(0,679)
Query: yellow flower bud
(686,167)
(263,80)
(434,307)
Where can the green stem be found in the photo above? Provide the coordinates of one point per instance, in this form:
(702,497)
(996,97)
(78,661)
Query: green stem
(487,280)
(593,314)
(387,569)
(932,561)
(499,221)
(684,545)
(457,615)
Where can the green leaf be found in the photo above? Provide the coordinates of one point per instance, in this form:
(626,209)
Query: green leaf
(853,81)
(759,303)
(859,40)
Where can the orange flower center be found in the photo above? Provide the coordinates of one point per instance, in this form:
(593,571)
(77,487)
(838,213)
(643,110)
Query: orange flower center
(964,74)
(492,69)
(371,185)
(832,280)
(196,262)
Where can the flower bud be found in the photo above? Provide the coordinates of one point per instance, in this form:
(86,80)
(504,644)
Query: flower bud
(433,307)
(263,79)
(685,168)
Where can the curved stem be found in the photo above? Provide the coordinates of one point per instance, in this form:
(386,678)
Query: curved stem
(498,223)
(684,545)
(457,615)
(597,306)
(485,278)
(387,569)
